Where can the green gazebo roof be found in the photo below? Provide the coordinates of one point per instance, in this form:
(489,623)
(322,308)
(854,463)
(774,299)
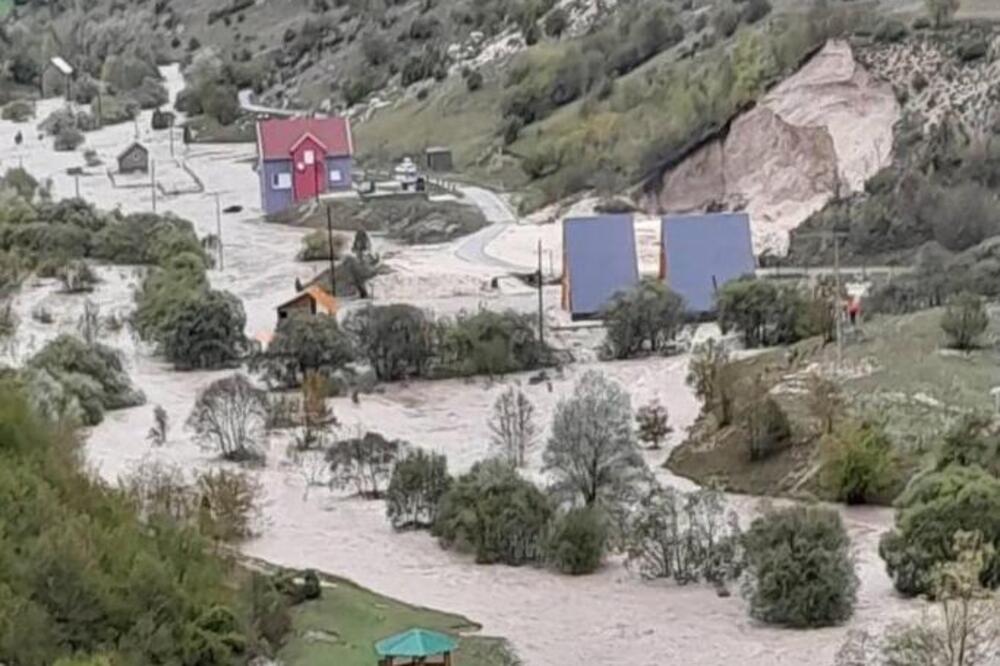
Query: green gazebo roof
(415,643)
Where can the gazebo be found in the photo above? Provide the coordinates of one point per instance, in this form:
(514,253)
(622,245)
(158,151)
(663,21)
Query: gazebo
(416,646)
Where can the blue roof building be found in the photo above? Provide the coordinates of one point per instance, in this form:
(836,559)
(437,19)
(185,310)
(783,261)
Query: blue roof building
(599,260)
(700,253)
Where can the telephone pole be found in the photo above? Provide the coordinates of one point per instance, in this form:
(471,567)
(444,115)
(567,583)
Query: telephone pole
(541,304)
(333,261)
(152,181)
(838,309)
(218,231)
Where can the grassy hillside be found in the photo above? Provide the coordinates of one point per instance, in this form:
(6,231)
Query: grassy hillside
(343,625)
(895,372)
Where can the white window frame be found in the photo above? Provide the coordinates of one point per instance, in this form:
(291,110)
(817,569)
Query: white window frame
(309,157)
(281,180)
(336,176)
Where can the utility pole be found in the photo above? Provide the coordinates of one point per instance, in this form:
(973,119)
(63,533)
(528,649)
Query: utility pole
(333,262)
(170,129)
(152,181)
(76,184)
(218,231)
(541,304)
(838,312)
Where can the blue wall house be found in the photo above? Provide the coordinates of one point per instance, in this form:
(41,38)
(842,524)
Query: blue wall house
(700,253)
(302,158)
(599,260)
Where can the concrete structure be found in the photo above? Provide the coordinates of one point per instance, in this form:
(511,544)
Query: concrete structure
(599,260)
(134,159)
(313,300)
(302,158)
(700,253)
(438,158)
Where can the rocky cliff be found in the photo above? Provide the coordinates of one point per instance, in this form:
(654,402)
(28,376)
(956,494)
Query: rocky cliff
(829,127)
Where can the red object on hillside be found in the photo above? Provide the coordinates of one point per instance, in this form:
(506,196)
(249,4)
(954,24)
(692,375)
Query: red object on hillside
(279,136)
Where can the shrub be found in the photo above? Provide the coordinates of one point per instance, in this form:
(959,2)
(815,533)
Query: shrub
(890,30)
(229,416)
(227,504)
(474,80)
(68,139)
(577,541)
(652,424)
(364,462)
(857,463)
(205,331)
(316,246)
(591,453)
(647,317)
(556,22)
(687,537)
(396,339)
(18,111)
(77,277)
(495,514)
(755,10)
(964,321)
(418,482)
(490,343)
(304,344)
(147,238)
(767,427)
(92,374)
(763,312)
(710,375)
(929,512)
(799,568)
(164,291)
(974,440)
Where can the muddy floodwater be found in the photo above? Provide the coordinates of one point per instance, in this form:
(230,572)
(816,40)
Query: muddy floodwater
(611,617)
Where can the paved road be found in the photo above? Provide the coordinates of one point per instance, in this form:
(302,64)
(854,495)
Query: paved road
(246,103)
(501,216)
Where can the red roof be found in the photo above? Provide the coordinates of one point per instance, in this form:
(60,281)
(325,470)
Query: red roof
(276,137)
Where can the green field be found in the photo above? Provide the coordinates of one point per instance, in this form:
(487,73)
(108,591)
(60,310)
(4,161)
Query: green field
(342,626)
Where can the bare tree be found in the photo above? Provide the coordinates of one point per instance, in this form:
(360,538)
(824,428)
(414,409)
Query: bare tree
(652,422)
(591,452)
(158,433)
(90,324)
(229,416)
(825,402)
(711,377)
(317,419)
(513,426)
(364,462)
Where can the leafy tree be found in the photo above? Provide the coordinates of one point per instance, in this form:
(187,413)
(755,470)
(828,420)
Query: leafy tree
(652,424)
(495,514)
(227,504)
(800,572)
(764,313)
(646,317)
(711,376)
(364,463)
(396,339)
(857,463)
(577,541)
(229,416)
(935,506)
(418,482)
(205,331)
(963,630)
(513,426)
(304,344)
(974,440)
(490,343)
(964,321)
(591,453)
(688,537)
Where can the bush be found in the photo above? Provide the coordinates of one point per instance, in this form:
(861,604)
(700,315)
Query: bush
(495,514)
(647,317)
(304,344)
(857,463)
(767,427)
(929,512)
(556,22)
(205,331)
(577,541)
(490,343)
(18,111)
(396,339)
(93,375)
(68,139)
(418,482)
(763,312)
(316,246)
(964,321)
(890,30)
(147,238)
(799,568)
(755,10)
(77,277)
